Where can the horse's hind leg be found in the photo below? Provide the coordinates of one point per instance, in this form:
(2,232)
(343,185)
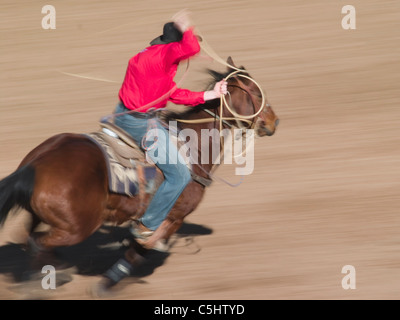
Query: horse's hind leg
(67,226)
(41,247)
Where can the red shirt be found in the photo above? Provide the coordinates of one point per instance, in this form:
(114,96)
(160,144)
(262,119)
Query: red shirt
(150,75)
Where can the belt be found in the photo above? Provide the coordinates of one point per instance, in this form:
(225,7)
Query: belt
(138,114)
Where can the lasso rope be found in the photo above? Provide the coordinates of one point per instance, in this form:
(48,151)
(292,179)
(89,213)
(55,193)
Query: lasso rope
(237,117)
(86,77)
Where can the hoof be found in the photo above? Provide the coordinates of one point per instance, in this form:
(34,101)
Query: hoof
(31,289)
(102,289)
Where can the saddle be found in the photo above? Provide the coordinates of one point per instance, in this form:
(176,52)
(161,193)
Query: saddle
(128,172)
(126,150)
(128,169)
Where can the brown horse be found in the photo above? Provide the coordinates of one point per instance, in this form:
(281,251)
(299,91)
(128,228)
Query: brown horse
(63,182)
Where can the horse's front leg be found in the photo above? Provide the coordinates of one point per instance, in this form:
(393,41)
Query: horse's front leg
(123,268)
(135,256)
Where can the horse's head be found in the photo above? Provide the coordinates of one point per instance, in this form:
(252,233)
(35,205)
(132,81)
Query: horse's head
(248,103)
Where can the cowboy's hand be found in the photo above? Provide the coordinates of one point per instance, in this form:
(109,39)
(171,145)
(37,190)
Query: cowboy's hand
(221,88)
(182,20)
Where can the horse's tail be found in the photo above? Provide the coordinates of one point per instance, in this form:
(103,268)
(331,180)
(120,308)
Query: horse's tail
(16,191)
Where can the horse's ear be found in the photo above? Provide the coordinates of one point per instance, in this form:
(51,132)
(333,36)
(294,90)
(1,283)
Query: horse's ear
(230,62)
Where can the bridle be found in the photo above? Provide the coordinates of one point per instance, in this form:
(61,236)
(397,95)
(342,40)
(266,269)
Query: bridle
(223,120)
(238,118)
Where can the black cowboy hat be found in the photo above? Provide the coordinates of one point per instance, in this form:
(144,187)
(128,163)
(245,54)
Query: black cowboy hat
(170,34)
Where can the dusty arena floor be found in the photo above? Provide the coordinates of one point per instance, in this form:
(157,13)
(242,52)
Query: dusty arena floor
(325,190)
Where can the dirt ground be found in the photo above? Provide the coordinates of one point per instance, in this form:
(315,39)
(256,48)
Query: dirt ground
(325,189)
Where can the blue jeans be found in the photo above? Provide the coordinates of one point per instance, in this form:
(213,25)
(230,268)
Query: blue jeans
(176,173)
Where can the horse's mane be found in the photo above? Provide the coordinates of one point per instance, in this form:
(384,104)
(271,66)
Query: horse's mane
(212,104)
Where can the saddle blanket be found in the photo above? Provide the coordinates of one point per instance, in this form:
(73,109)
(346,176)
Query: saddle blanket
(124,180)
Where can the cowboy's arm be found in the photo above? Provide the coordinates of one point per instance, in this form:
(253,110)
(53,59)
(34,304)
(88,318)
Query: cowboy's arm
(184,49)
(189,45)
(191,98)
(187,97)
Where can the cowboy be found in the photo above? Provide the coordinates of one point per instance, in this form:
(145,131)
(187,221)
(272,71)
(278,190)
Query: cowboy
(149,76)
